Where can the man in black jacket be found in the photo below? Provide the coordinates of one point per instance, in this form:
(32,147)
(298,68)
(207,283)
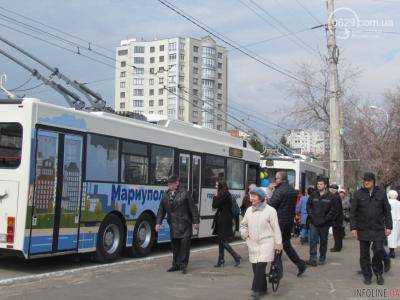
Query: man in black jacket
(371,222)
(337,224)
(283,200)
(182,215)
(321,212)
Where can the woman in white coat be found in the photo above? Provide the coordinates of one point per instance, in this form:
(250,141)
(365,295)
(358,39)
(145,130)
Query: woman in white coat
(394,237)
(260,229)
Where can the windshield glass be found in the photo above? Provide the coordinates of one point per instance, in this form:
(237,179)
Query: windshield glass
(10,145)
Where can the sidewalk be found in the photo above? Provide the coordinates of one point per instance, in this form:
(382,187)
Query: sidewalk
(148,280)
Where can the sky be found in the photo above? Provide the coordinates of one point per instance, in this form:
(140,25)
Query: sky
(252,87)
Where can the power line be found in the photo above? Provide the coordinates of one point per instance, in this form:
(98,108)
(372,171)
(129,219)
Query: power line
(309,12)
(299,41)
(90,43)
(21,85)
(236,47)
(279,37)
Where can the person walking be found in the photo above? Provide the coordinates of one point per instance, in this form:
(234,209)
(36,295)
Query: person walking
(337,224)
(283,200)
(260,228)
(301,209)
(321,212)
(371,222)
(394,237)
(246,199)
(222,224)
(345,205)
(182,216)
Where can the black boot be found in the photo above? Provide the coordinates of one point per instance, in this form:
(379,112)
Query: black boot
(379,279)
(391,253)
(234,254)
(220,263)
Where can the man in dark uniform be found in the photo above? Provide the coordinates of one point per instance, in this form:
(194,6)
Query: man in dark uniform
(337,224)
(371,222)
(182,216)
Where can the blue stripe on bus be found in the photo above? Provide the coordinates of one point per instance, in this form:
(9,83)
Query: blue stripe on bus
(44,243)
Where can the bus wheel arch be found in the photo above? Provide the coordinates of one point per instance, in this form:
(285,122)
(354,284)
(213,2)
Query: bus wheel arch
(144,235)
(111,237)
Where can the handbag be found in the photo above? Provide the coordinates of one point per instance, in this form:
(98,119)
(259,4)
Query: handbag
(276,271)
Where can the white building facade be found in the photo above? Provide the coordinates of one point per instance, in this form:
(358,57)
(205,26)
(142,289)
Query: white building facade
(307,142)
(178,78)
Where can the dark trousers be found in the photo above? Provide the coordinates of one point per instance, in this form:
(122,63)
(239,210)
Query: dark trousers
(286,230)
(377,260)
(180,252)
(260,278)
(318,234)
(338,235)
(224,245)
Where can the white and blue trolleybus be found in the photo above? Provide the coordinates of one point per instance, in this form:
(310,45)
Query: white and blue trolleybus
(75,181)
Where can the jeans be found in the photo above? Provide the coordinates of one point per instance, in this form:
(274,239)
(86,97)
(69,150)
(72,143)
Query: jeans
(318,234)
(286,230)
(224,245)
(180,252)
(304,232)
(260,278)
(379,254)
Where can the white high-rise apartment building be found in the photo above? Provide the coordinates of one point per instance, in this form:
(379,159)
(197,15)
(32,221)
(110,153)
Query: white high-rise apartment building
(178,78)
(307,142)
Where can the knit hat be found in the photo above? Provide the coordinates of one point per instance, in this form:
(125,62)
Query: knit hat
(259,192)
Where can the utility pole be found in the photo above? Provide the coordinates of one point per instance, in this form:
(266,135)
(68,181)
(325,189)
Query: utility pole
(336,166)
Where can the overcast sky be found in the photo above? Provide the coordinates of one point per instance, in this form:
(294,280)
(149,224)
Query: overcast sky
(252,86)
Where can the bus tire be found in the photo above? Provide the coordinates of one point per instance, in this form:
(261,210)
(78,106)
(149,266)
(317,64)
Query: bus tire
(144,235)
(110,239)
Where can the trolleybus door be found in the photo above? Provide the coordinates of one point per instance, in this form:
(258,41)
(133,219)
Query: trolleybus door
(57,192)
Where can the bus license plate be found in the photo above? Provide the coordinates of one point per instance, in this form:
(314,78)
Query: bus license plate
(3,238)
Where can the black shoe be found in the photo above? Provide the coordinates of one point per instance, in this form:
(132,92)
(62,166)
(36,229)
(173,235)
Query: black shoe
(184,270)
(335,250)
(237,261)
(311,263)
(380,280)
(255,295)
(302,268)
(173,269)
(322,262)
(367,281)
(392,254)
(387,264)
(220,263)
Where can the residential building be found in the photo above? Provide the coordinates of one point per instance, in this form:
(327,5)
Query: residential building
(307,142)
(180,78)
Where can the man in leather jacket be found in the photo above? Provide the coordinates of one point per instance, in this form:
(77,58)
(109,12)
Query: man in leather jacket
(283,200)
(371,222)
(182,215)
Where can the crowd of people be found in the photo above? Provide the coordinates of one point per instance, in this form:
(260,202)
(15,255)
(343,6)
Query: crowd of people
(271,217)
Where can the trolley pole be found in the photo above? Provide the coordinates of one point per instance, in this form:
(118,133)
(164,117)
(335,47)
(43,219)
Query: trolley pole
(336,166)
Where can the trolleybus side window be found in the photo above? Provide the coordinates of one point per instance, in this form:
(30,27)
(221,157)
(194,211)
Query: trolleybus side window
(214,170)
(235,174)
(134,163)
(102,158)
(10,145)
(162,163)
(251,174)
